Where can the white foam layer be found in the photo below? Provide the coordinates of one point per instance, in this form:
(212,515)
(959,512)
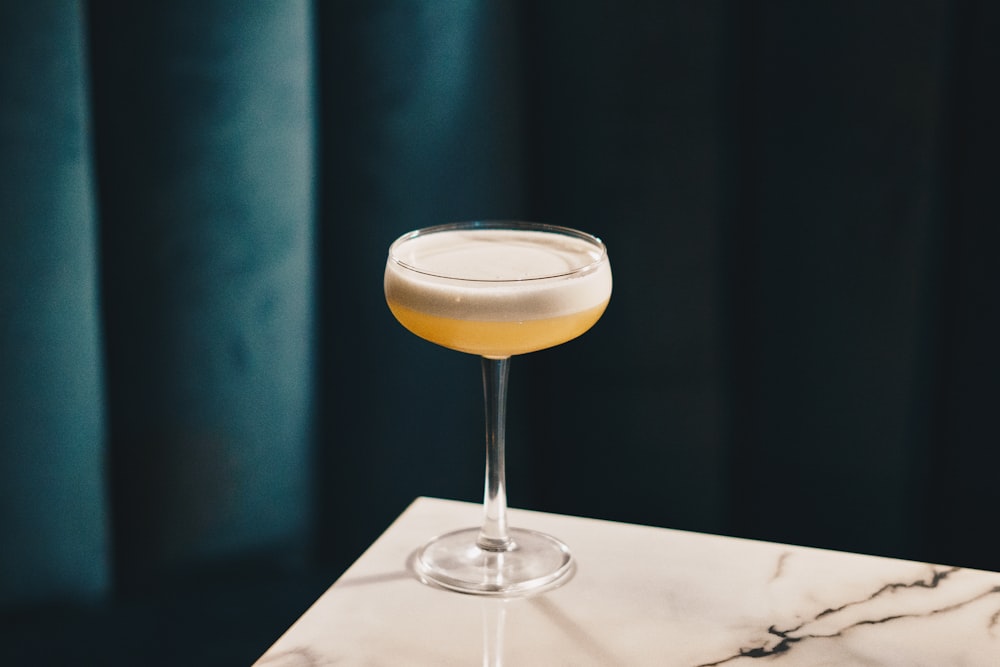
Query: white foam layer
(498,275)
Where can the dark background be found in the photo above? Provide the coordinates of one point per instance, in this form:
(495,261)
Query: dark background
(207,412)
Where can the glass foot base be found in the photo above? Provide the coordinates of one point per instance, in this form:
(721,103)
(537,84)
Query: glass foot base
(534,562)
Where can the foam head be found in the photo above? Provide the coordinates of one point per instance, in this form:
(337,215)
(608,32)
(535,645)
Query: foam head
(498,274)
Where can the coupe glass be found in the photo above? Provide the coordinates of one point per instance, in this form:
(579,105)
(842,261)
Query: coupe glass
(496,289)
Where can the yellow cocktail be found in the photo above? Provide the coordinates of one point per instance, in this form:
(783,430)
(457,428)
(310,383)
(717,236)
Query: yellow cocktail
(496,340)
(497,292)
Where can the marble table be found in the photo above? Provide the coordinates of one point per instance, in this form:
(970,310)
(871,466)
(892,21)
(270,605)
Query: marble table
(650,596)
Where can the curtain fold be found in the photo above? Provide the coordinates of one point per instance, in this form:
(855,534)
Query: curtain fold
(962,457)
(605,109)
(847,212)
(53,510)
(205,154)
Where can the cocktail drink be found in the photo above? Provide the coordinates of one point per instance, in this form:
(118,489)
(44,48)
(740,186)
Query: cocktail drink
(496,289)
(497,292)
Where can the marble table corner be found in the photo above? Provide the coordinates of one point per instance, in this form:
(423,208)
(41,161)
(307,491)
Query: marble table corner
(650,596)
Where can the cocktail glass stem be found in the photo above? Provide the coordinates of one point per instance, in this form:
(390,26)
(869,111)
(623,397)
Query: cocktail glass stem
(493,536)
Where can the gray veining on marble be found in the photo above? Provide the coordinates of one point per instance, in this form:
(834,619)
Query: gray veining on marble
(650,596)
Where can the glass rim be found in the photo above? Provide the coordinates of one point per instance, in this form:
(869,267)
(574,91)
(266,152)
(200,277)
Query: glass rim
(514,225)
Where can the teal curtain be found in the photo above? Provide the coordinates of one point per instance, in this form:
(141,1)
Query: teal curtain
(204,121)
(207,412)
(54,514)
